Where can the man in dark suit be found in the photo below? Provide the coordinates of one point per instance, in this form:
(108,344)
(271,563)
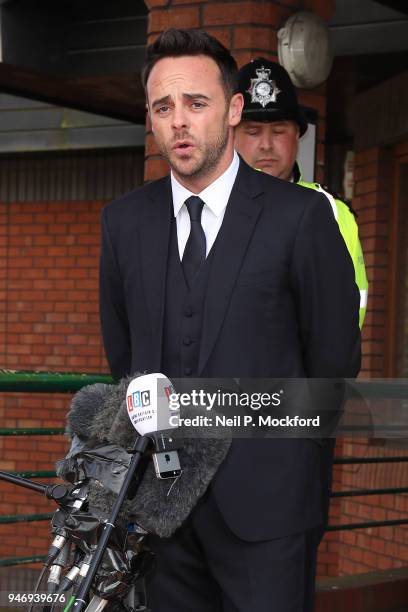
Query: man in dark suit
(223,271)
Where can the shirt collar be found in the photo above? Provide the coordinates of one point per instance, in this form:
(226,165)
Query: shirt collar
(215,196)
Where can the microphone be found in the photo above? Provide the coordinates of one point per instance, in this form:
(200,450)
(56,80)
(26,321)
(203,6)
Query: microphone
(99,415)
(83,418)
(148,406)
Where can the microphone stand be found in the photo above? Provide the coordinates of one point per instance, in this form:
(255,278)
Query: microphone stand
(56,492)
(139,449)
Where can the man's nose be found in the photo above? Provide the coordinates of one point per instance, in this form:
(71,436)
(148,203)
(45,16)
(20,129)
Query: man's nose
(179,118)
(266,142)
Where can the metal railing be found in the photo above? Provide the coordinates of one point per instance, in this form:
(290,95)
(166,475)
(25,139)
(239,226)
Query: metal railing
(61,382)
(39,382)
(368,492)
(48,382)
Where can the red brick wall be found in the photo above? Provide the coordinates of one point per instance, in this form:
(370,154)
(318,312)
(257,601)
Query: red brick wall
(51,318)
(374,548)
(381,547)
(49,228)
(372,201)
(328,555)
(49,321)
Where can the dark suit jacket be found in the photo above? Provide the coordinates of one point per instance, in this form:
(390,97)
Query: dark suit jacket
(281,302)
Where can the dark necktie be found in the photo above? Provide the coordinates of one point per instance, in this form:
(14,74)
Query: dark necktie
(194,253)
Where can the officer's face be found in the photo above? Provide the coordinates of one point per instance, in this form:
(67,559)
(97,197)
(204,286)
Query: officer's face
(271,147)
(191,119)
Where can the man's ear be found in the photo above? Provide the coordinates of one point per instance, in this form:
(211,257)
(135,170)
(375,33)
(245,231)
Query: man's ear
(235,109)
(297,132)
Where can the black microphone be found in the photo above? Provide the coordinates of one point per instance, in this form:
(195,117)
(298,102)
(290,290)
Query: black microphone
(98,415)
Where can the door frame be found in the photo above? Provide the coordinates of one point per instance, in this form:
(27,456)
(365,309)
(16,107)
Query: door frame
(400,157)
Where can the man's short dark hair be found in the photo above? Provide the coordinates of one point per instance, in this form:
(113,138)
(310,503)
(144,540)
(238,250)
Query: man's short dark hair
(177,43)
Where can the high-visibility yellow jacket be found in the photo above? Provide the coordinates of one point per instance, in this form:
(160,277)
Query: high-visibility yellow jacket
(349,230)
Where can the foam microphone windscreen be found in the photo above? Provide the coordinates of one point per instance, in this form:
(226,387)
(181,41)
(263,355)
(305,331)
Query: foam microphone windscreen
(98,412)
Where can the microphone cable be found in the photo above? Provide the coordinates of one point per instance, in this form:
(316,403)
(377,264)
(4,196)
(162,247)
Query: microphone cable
(37,586)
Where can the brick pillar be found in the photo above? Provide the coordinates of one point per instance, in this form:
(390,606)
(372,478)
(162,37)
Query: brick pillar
(373,176)
(371,201)
(248,29)
(385,547)
(3,280)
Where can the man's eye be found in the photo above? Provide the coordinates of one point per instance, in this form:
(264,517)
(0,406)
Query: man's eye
(162,109)
(252,132)
(197,104)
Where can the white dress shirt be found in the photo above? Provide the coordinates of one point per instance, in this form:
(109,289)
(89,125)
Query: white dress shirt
(215,198)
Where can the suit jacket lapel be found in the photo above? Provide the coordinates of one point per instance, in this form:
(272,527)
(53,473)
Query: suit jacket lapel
(241,215)
(155,236)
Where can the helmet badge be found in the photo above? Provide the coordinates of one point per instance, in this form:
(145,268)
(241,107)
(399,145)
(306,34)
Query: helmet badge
(262,89)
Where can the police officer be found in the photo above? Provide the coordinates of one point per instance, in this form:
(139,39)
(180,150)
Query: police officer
(268,140)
